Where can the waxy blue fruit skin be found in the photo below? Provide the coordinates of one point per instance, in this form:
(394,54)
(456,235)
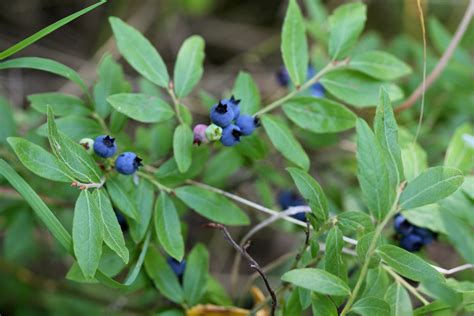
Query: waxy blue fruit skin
(230,135)
(177,266)
(413,238)
(222,114)
(411,242)
(283,77)
(122,221)
(427,235)
(105,146)
(247,124)
(234,103)
(287,199)
(317,90)
(402,225)
(127,163)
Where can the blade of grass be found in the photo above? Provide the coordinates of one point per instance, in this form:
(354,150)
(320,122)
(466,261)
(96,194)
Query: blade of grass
(45,31)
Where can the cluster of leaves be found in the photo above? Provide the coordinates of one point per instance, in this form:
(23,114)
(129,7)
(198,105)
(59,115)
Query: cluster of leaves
(392,171)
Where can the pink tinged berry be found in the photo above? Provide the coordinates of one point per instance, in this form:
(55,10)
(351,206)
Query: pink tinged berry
(200,134)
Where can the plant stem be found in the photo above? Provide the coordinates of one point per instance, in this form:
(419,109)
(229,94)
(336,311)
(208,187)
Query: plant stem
(406,285)
(175,102)
(463,25)
(329,67)
(153,181)
(253,264)
(101,122)
(370,252)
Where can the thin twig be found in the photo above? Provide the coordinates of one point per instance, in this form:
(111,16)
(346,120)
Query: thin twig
(264,209)
(85,186)
(236,262)
(406,285)
(463,25)
(253,264)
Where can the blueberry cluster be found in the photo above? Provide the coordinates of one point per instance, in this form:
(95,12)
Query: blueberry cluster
(288,199)
(178,267)
(317,90)
(104,146)
(228,125)
(413,238)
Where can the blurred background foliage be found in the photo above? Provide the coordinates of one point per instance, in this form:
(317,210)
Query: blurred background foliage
(239,35)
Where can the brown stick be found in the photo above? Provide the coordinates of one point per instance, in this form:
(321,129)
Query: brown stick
(253,264)
(442,62)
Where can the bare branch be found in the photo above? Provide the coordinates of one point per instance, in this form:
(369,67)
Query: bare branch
(463,25)
(253,264)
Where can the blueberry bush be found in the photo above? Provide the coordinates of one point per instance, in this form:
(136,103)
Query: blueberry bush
(125,180)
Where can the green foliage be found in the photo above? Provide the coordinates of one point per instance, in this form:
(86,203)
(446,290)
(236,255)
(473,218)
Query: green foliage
(349,262)
(294,45)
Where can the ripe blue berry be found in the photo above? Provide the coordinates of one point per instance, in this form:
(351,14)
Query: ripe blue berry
(127,163)
(247,124)
(411,242)
(287,199)
(230,135)
(283,77)
(426,235)
(178,267)
(234,103)
(105,146)
(122,221)
(222,114)
(402,225)
(317,90)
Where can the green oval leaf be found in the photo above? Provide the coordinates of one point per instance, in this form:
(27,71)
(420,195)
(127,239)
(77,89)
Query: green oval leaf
(121,199)
(345,25)
(358,89)
(111,81)
(163,276)
(47,65)
(334,262)
(247,91)
(212,205)
(371,306)
(379,65)
(182,147)
(372,172)
(319,115)
(71,155)
(87,233)
(408,264)
(62,104)
(75,127)
(189,65)
(144,200)
(399,300)
(196,274)
(113,236)
(459,154)
(294,46)
(386,131)
(168,227)
(431,186)
(141,107)
(284,141)
(311,191)
(317,280)
(38,160)
(139,52)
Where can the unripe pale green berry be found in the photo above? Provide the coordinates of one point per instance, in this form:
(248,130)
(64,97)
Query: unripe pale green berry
(88,144)
(213,132)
